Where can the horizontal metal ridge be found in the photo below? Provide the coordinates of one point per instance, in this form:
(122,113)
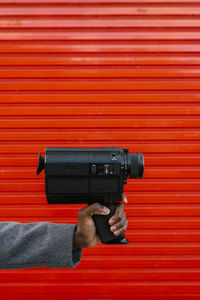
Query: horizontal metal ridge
(98,73)
(101,135)
(92,123)
(72,61)
(88,85)
(94,2)
(95,275)
(112,10)
(156,147)
(41,34)
(99,110)
(94,47)
(125,22)
(103,97)
(148,288)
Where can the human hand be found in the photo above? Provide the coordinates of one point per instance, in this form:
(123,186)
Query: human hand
(85,234)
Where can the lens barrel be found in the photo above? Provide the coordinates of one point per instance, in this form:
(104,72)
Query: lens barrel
(135,165)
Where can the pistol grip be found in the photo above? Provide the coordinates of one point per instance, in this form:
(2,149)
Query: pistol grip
(103,228)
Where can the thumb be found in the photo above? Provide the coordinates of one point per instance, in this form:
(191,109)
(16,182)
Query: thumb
(94,209)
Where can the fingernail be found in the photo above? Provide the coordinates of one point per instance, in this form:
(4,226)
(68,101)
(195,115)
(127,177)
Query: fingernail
(116,233)
(113,228)
(125,198)
(106,210)
(111,222)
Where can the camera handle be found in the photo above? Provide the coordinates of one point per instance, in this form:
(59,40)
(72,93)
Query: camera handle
(103,228)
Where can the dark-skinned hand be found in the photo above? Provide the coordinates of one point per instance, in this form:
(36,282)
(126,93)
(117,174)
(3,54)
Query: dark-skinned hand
(85,234)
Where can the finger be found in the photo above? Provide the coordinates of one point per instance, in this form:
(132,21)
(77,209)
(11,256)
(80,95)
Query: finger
(124,198)
(118,225)
(121,230)
(114,219)
(94,209)
(118,214)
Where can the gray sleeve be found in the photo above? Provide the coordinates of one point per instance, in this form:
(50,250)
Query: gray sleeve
(42,244)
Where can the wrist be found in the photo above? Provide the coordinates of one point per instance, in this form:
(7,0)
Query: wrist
(78,240)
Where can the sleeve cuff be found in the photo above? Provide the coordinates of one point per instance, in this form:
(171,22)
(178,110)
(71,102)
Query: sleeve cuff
(69,258)
(76,257)
(76,254)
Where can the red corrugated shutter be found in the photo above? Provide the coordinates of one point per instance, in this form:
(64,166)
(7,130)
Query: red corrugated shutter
(125,73)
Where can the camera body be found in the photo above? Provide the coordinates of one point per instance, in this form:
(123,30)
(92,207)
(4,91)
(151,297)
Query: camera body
(85,175)
(89,175)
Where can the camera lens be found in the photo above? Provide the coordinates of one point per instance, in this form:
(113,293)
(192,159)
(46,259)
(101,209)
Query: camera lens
(135,165)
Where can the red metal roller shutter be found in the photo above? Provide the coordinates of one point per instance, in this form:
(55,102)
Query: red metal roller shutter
(125,73)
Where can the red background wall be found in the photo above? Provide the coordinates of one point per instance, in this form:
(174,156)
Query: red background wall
(77,73)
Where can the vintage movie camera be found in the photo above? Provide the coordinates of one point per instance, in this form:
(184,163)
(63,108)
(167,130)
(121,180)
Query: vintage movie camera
(89,175)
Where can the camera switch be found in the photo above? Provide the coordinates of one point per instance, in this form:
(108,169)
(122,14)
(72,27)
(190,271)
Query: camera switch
(94,169)
(106,169)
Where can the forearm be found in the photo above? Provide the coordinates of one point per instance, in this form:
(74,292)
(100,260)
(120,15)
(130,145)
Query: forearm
(41,244)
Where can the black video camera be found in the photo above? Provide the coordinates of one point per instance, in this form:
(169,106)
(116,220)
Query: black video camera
(89,175)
